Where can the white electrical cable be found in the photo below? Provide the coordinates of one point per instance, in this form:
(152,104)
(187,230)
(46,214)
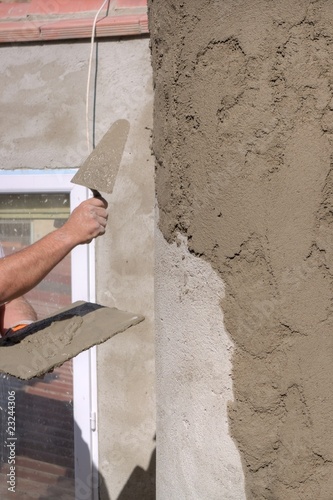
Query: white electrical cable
(89,72)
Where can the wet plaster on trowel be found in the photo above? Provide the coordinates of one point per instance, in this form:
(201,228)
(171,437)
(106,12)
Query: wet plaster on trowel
(46,344)
(243,143)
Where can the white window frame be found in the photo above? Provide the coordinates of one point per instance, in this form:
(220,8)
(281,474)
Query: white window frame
(83,288)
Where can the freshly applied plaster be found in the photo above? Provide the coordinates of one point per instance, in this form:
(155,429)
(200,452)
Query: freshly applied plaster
(243,128)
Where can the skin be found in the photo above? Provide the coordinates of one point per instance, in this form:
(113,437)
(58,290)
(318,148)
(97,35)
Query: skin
(30,265)
(17,311)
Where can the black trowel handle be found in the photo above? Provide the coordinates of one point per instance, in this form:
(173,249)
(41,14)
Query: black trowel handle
(96,194)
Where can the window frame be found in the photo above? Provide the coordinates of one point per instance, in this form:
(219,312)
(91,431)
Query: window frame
(83,288)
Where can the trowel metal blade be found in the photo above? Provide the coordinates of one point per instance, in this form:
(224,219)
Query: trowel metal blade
(100,169)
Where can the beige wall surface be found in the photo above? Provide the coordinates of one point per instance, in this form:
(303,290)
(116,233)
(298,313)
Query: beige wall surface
(42,125)
(243,144)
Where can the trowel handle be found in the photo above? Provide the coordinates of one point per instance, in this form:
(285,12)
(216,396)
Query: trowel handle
(96,194)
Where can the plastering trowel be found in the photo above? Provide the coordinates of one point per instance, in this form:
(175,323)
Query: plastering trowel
(100,169)
(38,348)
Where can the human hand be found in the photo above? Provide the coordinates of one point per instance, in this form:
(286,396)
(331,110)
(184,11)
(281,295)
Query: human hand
(87,221)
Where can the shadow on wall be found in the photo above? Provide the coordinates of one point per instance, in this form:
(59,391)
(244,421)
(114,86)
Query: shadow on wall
(45,452)
(141,484)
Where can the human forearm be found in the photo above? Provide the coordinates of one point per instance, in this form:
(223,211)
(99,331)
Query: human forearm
(23,270)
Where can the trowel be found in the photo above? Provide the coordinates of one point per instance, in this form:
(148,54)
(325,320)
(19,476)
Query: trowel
(99,171)
(83,324)
(38,348)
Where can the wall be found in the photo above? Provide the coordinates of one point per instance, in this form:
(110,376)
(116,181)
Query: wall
(196,457)
(243,146)
(42,125)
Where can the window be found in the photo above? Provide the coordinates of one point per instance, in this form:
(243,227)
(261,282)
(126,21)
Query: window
(56,441)
(26,218)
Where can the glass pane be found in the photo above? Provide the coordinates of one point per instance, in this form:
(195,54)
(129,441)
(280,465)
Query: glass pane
(44,430)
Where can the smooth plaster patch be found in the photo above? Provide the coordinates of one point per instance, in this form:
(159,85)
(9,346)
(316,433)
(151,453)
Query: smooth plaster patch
(46,344)
(194,386)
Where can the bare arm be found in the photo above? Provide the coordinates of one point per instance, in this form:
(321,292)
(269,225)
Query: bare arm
(17,311)
(23,270)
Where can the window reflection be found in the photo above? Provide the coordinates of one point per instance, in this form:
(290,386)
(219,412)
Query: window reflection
(44,407)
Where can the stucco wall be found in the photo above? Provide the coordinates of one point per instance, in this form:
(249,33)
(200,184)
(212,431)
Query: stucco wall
(243,145)
(193,363)
(42,125)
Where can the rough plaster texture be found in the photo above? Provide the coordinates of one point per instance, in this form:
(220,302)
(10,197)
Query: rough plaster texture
(42,125)
(243,143)
(193,363)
